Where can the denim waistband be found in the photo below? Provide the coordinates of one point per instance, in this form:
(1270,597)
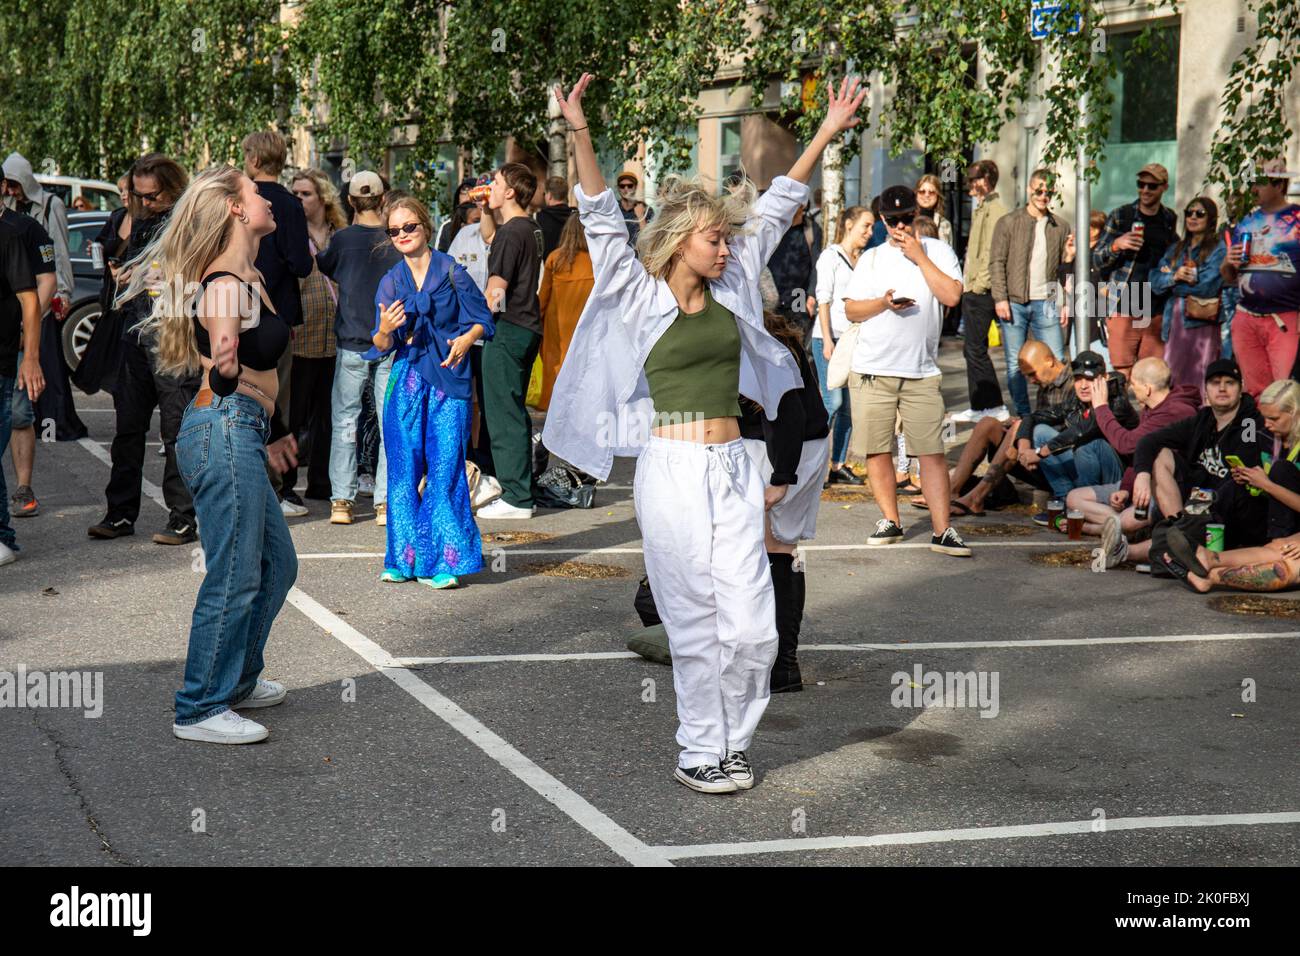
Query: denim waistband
(233,406)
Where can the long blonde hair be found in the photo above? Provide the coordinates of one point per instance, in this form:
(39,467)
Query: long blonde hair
(198,231)
(327,194)
(685,206)
(573,240)
(1285,393)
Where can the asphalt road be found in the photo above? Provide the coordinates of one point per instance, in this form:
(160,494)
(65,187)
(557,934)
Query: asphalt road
(1108,746)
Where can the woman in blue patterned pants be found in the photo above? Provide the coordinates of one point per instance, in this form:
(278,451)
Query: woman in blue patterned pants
(430,312)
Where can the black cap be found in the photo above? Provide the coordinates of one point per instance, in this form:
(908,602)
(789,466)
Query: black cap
(897,201)
(1088,364)
(1223,366)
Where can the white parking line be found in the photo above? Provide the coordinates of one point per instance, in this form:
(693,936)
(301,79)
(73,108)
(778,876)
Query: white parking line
(857,648)
(151,490)
(977,833)
(548,787)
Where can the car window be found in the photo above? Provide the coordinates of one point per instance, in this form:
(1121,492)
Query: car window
(80,236)
(62,190)
(101,199)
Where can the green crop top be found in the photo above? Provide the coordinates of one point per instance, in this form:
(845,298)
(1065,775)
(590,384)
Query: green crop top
(694,368)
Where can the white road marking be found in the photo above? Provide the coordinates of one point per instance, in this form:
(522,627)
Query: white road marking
(855,648)
(516,658)
(548,787)
(148,487)
(976,833)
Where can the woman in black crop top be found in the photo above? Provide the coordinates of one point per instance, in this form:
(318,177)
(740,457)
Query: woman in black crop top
(212,316)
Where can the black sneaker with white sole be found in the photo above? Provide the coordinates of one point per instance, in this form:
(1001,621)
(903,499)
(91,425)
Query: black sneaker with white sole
(737,766)
(178,531)
(706,779)
(109,528)
(949,542)
(886,533)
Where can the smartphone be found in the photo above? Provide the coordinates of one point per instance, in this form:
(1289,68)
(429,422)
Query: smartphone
(1233,461)
(905,302)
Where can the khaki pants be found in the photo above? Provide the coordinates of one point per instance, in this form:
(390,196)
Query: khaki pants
(878,401)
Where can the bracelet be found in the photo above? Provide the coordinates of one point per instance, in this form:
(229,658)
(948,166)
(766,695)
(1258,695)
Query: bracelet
(577,129)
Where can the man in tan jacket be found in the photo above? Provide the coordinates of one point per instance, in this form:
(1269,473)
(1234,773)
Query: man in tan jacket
(976,302)
(1027,248)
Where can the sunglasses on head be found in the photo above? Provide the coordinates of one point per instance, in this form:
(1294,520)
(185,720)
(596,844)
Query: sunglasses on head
(407,228)
(1148,185)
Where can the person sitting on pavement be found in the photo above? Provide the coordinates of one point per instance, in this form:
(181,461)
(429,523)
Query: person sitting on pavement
(994,439)
(1065,441)
(1194,454)
(1274,566)
(1162,403)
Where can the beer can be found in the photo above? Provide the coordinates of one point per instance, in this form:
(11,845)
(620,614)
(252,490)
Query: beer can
(1214,537)
(1139,228)
(480,193)
(1246,238)
(97,255)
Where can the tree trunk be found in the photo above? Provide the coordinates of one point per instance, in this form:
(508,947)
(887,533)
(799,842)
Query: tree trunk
(832,190)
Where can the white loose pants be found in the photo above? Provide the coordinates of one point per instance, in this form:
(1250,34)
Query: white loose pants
(700,508)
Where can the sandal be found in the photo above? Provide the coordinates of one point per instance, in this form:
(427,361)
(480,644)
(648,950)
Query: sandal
(1182,549)
(955,507)
(908,487)
(1174,567)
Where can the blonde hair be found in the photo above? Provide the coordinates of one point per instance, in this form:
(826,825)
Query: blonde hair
(1285,394)
(327,194)
(573,240)
(268,151)
(198,231)
(686,206)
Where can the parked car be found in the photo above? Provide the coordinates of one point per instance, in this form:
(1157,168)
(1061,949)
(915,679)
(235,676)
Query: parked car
(87,281)
(102,195)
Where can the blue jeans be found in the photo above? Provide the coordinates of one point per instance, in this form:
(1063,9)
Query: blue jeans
(836,400)
(350,374)
(1093,463)
(1042,318)
(6,413)
(249,556)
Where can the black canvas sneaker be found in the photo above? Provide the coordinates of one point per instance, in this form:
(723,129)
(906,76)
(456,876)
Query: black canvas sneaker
(706,779)
(886,533)
(949,542)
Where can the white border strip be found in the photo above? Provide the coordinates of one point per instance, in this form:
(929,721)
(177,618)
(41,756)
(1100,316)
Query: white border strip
(975,833)
(548,787)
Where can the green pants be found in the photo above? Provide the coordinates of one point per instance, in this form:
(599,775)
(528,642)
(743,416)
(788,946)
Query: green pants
(507,364)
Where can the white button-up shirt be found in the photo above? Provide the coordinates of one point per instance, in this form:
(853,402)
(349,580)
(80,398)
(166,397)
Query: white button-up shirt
(601,406)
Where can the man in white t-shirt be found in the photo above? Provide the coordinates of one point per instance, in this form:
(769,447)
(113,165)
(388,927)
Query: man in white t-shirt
(470,249)
(898,292)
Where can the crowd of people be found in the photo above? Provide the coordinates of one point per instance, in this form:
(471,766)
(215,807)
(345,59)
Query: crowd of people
(745,366)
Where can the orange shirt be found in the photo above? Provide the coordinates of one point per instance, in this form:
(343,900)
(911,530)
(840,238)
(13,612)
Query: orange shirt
(561,298)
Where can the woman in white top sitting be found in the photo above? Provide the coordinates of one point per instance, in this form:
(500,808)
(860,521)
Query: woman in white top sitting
(669,338)
(834,269)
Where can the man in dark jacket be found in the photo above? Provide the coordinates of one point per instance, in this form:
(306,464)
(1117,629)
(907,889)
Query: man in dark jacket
(1065,441)
(554,214)
(1194,453)
(793,267)
(283,257)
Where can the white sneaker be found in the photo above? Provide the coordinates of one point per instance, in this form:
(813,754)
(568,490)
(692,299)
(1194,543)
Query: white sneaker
(1000,413)
(967,417)
(291,510)
(267,693)
(226,727)
(488,491)
(1114,546)
(366,485)
(504,509)
(7,555)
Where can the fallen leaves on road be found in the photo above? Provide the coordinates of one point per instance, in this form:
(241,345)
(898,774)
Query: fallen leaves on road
(580,570)
(1249,604)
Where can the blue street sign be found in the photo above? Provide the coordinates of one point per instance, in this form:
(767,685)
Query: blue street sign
(1044,18)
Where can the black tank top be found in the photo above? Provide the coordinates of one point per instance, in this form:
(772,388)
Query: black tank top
(260,348)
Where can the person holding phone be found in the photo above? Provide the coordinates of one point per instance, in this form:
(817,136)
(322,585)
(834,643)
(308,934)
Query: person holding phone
(899,290)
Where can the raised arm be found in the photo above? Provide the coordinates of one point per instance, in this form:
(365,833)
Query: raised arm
(584,153)
(841,115)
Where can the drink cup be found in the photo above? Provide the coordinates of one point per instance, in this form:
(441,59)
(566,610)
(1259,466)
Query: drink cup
(1055,508)
(1074,525)
(480,193)
(1214,537)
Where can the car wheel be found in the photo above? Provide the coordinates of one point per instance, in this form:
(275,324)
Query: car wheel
(77,329)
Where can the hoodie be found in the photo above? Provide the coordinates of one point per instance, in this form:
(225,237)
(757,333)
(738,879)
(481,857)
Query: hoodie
(551,220)
(1181,402)
(47,209)
(1202,445)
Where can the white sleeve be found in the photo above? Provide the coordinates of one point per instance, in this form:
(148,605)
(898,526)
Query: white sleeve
(941,255)
(615,266)
(828,266)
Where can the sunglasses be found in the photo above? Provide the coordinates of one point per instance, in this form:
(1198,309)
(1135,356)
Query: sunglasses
(1194,214)
(1042,192)
(407,228)
(895,221)
(146,197)
(627,185)
(928,191)
(1148,185)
